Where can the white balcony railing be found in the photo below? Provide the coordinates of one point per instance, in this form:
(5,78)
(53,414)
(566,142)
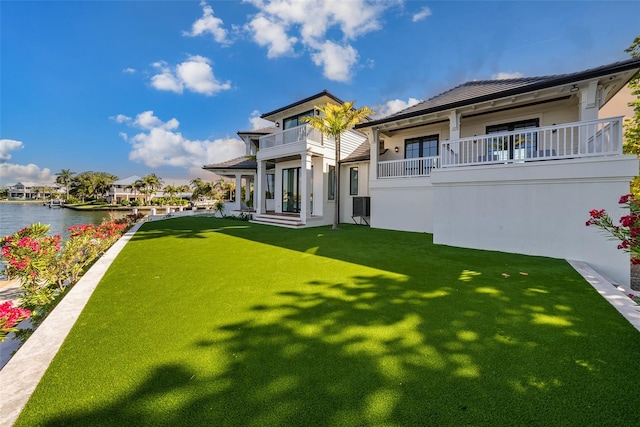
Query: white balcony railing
(303,133)
(570,140)
(421,166)
(566,141)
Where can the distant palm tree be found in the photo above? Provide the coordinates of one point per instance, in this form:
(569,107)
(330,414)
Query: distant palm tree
(170,190)
(64,178)
(333,122)
(151,183)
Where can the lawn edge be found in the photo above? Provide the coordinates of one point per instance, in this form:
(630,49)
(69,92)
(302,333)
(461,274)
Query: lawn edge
(609,291)
(22,373)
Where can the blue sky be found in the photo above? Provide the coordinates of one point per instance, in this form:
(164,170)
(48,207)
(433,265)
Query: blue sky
(139,87)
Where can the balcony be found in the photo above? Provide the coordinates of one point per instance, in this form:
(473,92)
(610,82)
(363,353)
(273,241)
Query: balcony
(303,133)
(597,138)
(408,168)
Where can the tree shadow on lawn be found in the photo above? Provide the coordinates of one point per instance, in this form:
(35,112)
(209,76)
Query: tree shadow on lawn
(388,351)
(186,227)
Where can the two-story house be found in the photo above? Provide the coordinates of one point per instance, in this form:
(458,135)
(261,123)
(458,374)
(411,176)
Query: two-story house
(507,165)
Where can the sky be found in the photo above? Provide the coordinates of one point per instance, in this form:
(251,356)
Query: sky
(140,87)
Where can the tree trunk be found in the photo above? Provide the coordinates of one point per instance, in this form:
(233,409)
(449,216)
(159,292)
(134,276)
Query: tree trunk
(336,215)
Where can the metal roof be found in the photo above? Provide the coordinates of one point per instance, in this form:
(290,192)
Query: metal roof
(359,154)
(486,90)
(302,101)
(243,162)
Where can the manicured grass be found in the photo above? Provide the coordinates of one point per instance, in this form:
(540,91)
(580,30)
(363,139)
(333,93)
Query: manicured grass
(202,321)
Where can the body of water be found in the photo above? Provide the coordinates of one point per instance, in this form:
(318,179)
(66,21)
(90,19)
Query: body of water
(15,215)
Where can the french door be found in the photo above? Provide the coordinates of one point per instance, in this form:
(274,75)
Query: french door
(291,190)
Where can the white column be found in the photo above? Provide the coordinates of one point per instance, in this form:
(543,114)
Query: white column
(374,148)
(454,125)
(589,102)
(258,197)
(305,184)
(448,155)
(238,202)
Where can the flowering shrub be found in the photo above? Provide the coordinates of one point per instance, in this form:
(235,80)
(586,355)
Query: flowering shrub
(44,265)
(10,316)
(628,232)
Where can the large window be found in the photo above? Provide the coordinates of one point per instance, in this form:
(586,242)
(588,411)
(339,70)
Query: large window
(516,146)
(423,146)
(291,190)
(353,181)
(332,182)
(271,185)
(293,121)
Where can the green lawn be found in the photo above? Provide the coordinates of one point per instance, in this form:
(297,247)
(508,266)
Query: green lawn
(209,322)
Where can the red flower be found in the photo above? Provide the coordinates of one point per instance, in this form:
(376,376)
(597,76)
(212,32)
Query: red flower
(624,199)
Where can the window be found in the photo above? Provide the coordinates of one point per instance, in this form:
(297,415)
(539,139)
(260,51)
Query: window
(271,185)
(423,146)
(353,181)
(293,121)
(332,182)
(516,146)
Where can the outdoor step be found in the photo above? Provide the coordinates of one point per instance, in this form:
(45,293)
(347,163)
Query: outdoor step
(283,221)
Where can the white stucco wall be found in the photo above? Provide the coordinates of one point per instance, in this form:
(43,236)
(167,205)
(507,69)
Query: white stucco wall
(538,208)
(402,204)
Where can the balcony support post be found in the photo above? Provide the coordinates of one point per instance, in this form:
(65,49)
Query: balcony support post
(259,199)
(374,147)
(305,186)
(454,125)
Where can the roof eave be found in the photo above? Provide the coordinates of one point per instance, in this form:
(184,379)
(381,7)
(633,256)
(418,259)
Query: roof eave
(303,101)
(545,84)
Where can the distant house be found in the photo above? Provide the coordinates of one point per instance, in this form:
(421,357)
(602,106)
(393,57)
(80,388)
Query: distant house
(33,191)
(125,189)
(506,165)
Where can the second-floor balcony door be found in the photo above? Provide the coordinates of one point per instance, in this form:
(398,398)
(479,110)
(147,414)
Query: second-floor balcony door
(514,146)
(291,190)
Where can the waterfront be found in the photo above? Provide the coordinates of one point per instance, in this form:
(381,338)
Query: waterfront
(17,215)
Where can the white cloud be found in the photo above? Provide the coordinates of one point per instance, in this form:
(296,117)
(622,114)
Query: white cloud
(281,24)
(166,80)
(257,122)
(194,74)
(10,173)
(424,12)
(160,144)
(7,146)
(393,106)
(273,35)
(197,76)
(335,60)
(208,24)
(120,118)
(507,76)
(129,70)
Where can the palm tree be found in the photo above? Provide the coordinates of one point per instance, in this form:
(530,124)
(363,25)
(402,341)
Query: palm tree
(170,190)
(333,122)
(152,183)
(64,178)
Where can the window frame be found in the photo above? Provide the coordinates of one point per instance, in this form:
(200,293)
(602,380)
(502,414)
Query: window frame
(507,149)
(422,142)
(270,192)
(353,181)
(286,123)
(331,183)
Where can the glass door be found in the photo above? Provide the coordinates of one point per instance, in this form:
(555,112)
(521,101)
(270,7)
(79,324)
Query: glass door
(291,190)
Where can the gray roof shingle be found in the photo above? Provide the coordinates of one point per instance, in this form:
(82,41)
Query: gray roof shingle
(487,90)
